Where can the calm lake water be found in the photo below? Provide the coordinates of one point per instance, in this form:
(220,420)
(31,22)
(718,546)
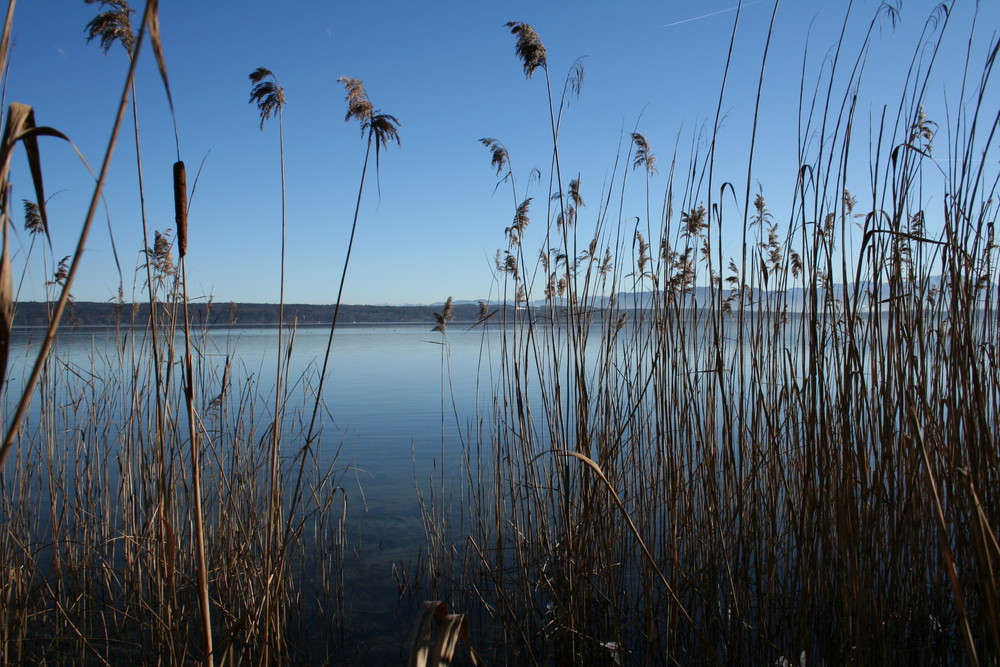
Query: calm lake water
(399,398)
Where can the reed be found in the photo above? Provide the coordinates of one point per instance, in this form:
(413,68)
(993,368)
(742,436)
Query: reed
(269,96)
(784,457)
(130,491)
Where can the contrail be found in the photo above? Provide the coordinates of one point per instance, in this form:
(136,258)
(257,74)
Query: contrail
(705,16)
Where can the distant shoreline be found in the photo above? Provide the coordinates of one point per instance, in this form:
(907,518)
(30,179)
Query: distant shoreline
(30,314)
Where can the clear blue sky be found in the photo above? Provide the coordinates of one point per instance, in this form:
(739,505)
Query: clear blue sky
(448,71)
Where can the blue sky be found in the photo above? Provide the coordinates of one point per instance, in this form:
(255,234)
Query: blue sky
(447,70)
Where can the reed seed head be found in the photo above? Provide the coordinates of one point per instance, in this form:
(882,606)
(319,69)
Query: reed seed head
(61,274)
(32,218)
(382,127)
(358,105)
(385,129)
(574,193)
(268,95)
(694,221)
(529,47)
(521,221)
(643,155)
(444,317)
(112,25)
(498,153)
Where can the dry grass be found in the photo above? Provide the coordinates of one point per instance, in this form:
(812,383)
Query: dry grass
(131,490)
(698,459)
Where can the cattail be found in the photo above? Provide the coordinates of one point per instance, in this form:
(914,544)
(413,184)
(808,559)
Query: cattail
(180,206)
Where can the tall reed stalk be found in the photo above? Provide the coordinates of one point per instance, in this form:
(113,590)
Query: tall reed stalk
(269,96)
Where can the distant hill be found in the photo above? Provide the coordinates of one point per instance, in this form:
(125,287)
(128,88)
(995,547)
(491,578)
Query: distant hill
(90,313)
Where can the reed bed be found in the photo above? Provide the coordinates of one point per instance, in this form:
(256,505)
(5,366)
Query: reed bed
(784,457)
(157,504)
(99,543)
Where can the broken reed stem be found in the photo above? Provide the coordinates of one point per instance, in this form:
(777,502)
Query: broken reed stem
(46,346)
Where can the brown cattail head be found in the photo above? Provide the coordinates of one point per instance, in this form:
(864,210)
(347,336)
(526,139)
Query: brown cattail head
(180,206)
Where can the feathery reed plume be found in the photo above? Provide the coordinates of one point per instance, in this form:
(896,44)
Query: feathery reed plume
(484,314)
(644,157)
(359,107)
(113,25)
(498,153)
(521,222)
(266,93)
(61,273)
(444,317)
(32,218)
(384,128)
(693,222)
(574,81)
(575,200)
(160,257)
(529,47)
(380,127)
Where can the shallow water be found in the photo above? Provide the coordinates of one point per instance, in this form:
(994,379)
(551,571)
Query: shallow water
(397,397)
